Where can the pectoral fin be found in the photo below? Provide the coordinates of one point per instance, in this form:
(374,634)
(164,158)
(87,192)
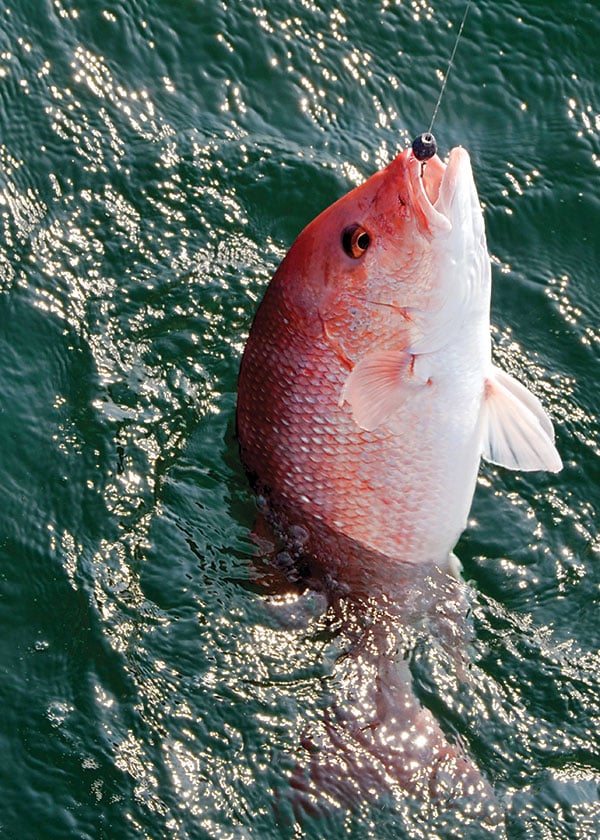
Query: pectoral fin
(378,385)
(517,432)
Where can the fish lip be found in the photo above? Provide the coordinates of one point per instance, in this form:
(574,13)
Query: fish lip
(432,186)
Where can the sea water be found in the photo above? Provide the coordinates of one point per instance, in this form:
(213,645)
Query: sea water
(157,159)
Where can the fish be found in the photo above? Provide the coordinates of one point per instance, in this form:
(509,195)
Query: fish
(367,398)
(367,394)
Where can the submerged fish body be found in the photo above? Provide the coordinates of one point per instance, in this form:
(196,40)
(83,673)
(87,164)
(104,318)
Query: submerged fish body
(367,396)
(367,393)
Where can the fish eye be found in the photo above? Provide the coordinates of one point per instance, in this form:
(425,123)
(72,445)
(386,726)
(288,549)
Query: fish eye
(355,241)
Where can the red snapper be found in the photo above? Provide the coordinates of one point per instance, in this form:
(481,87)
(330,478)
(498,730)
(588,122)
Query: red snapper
(367,394)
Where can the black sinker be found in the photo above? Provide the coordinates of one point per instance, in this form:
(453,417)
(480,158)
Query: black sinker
(424,146)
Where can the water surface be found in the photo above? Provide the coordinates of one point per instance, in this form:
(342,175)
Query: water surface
(156,161)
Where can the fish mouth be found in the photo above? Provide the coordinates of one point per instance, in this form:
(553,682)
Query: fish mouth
(432,185)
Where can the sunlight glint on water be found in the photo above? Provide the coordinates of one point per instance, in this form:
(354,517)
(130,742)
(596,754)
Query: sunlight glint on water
(156,163)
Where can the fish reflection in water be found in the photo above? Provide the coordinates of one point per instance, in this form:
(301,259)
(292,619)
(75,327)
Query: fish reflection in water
(375,738)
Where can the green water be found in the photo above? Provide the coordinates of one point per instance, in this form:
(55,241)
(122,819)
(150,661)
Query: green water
(156,161)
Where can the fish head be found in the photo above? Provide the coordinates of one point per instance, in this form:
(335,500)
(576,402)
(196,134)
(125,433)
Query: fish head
(397,262)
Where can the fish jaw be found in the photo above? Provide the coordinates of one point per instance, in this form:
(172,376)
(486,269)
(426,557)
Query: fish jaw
(449,215)
(444,194)
(425,180)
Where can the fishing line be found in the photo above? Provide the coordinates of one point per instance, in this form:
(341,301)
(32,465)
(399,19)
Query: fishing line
(425,146)
(450,63)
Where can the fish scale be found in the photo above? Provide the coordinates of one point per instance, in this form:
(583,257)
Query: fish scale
(366,392)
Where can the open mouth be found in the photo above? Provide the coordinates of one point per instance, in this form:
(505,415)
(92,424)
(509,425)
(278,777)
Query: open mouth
(432,174)
(433,184)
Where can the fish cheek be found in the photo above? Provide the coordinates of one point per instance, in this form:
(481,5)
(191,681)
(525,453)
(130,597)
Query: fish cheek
(341,309)
(350,311)
(313,294)
(339,333)
(303,294)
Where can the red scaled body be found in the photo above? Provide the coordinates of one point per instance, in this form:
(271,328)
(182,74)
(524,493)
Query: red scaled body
(367,394)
